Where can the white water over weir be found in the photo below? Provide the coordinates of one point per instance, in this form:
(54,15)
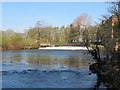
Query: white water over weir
(65,48)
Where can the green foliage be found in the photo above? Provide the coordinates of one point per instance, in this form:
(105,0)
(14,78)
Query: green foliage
(73,33)
(0,39)
(33,37)
(14,41)
(5,41)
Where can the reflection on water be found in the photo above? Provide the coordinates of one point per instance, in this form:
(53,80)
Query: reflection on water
(38,58)
(47,68)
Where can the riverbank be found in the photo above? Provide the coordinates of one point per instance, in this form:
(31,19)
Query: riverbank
(19,48)
(37,47)
(108,71)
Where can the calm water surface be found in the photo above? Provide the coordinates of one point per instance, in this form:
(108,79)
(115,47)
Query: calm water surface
(47,68)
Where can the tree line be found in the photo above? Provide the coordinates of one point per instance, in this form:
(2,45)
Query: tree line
(80,31)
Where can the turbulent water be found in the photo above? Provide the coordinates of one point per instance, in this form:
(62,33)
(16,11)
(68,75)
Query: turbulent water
(46,69)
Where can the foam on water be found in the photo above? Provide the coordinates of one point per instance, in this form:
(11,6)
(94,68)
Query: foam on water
(65,48)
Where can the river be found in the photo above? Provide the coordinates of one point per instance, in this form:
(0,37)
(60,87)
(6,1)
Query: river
(47,69)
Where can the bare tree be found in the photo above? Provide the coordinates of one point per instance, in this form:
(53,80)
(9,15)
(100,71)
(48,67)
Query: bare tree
(115,8)
(83,21)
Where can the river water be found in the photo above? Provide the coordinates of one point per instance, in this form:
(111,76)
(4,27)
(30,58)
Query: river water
(47,69)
